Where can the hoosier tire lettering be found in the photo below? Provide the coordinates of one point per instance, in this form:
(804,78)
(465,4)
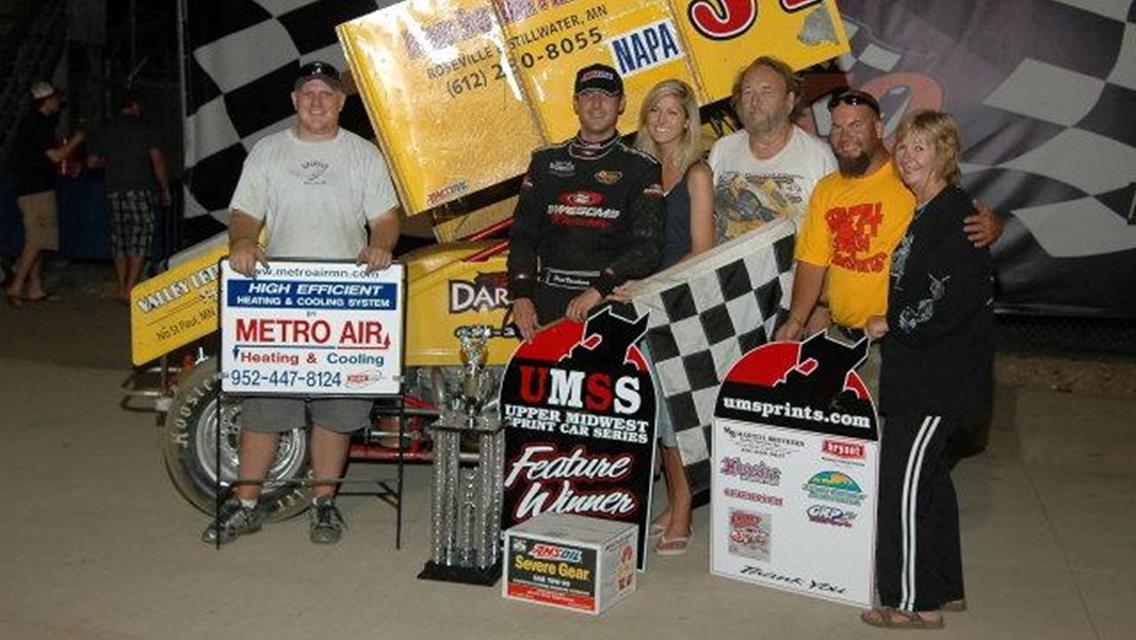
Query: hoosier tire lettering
(188,447)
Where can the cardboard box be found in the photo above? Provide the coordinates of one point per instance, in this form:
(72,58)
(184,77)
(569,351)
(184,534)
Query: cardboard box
(570,561)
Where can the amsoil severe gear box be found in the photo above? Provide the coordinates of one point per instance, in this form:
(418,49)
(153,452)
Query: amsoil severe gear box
(570,561)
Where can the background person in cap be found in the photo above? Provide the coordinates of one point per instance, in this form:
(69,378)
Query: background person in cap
(321,192)
(134,163)
(590,213)
(36,155)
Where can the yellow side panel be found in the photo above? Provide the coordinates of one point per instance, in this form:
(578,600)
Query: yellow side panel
(723,37)
(446,294)
(176,307)
(475,221)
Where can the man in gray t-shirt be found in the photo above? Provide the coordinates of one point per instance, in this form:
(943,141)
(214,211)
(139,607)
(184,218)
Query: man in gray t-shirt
(317,191)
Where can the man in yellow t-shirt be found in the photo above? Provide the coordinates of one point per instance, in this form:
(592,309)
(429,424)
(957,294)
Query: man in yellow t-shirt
(860,222)
(856,217)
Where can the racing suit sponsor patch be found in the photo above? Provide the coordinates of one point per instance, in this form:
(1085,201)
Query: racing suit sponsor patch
(561,168)
(581,198)
(608,177)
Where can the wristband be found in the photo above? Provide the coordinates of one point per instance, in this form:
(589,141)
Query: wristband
(520,286)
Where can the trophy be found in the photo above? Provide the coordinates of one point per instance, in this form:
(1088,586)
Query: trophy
(466,504)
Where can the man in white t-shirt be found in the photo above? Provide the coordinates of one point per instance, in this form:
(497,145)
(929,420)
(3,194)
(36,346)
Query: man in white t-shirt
(768,169)
(320,192)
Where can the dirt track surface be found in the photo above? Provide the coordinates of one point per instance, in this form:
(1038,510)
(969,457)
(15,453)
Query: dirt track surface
(1082,375)
(86,328)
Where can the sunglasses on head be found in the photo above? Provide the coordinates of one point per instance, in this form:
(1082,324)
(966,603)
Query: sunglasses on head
(854,98)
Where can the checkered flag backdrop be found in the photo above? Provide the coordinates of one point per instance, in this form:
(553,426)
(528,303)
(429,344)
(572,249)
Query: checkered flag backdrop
(1043,92)
(705,314)
(242,57)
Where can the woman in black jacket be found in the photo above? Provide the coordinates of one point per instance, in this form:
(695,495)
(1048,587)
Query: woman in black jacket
(938,344)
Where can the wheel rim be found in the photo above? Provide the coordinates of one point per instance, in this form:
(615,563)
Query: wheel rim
(290,452)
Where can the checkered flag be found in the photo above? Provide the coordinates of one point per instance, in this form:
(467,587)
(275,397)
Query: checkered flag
(705,313)
(243,56)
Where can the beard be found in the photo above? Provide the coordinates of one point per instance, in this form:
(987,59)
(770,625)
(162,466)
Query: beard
(854,166)
(762,123)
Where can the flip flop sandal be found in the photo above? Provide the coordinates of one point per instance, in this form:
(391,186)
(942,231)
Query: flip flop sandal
(954,606)
(656,529)
(14,301)
(673,546)
(46,297)
(888,618)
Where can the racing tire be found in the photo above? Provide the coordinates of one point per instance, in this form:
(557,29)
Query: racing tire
(189,449)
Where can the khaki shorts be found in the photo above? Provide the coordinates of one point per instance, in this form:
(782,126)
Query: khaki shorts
(41,222)
(276,415)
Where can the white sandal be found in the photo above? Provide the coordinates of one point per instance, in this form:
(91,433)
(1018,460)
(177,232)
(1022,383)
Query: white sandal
(673,546)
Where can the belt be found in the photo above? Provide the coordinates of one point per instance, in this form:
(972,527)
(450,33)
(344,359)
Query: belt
(849,333)
(566,279)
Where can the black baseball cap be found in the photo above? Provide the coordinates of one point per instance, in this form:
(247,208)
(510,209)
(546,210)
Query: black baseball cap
(318,71)
(601,77)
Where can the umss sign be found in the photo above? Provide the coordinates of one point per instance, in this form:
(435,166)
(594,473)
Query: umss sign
(593,391)
(579,410)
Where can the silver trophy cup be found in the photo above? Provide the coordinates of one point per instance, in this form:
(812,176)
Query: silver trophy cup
(466,505)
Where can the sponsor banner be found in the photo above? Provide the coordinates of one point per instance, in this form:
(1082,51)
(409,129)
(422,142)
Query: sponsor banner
(436,79)
(811,532)
(311,328)
(808,386)
(795,449)
(579,410)
(175,307)
(1060,176)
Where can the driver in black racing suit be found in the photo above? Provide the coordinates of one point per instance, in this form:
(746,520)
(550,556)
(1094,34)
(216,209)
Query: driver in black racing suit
(590,213)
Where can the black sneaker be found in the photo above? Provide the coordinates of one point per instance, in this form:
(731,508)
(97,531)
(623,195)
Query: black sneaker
(326,523)
(235,520)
